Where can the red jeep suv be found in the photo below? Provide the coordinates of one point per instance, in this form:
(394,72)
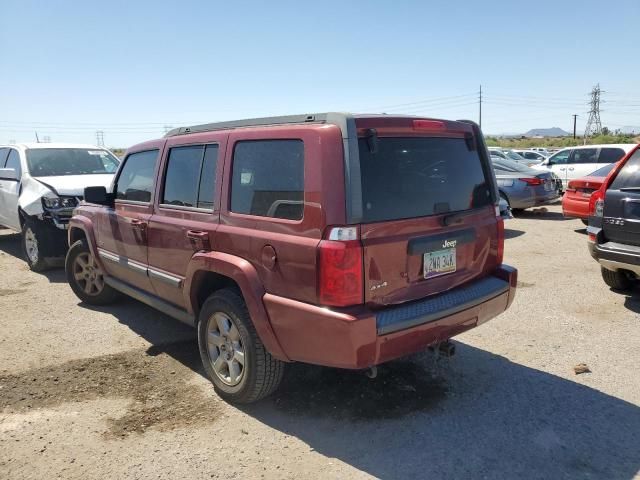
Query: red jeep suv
(333,239)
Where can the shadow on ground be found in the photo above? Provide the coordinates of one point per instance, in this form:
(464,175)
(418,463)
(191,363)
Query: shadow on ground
(512,233)
(477,415)
(538,214)
(11,244)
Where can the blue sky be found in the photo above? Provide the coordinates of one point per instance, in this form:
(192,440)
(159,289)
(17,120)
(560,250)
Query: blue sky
(130,67)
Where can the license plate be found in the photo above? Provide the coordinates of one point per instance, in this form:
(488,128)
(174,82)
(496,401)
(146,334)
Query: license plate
(439,262)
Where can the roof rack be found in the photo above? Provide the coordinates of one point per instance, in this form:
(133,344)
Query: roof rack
(336,118)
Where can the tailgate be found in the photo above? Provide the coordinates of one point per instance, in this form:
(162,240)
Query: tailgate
(621,222)
(429,219)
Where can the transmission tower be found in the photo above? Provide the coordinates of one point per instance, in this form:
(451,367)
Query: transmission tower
(594,126)
(100,138)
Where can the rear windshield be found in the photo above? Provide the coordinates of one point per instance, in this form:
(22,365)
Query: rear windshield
(629,175)
(511,166)
(603,172)
(48,162)
(416,177)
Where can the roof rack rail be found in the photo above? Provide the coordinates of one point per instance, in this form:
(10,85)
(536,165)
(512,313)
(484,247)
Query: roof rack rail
(252,122)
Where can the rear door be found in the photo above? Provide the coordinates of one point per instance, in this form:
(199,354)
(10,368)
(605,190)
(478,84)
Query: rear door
(558,164)
(429,219)
(621,222)
(186,215)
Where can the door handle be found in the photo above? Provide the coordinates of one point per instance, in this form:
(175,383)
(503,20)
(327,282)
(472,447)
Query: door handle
(140,224)
(572,169)
(199,239)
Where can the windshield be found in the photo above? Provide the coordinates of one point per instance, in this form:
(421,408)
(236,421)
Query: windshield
(416,177)
(603,172)
(511,166)
(49,162)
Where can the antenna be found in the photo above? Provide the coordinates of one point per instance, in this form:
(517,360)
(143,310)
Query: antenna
(594,126)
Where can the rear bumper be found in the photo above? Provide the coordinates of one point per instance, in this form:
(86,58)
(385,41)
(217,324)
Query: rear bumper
(531,197)
(361,337)
(575,207)
(616,256)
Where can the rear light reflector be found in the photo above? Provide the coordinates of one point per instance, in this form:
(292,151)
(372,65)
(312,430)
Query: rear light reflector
(500,253)
(340,277)
(429,125)
(532,181)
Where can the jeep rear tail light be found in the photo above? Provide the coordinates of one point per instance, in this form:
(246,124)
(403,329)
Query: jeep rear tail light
(500,225)
(596,202)
(340,278)
(429,125)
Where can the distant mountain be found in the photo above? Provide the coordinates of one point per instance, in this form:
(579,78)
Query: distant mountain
(630,130)
(547,132)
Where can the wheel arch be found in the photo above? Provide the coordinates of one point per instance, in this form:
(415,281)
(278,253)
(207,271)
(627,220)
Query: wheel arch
(208,272)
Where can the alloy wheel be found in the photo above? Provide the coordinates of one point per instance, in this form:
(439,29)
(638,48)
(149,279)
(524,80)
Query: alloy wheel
(226,349)
(31,246)
(87,274)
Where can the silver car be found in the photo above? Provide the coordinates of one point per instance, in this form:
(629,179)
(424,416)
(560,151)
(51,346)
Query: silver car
(523,187)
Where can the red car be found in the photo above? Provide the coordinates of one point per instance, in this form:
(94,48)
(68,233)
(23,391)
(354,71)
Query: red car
(331,239)
(575,203)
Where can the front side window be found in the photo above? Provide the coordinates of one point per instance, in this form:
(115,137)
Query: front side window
(417,177)
(49,162)
(135,181)
(584,155)
(13,161)
(610,155)
(560,158)
(190,177)
(268,178)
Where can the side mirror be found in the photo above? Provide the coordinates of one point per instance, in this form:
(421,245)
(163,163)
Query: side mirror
(9,174)
(98,195)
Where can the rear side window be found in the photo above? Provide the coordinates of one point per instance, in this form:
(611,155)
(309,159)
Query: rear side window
(585,155)
(3,156)
(416,177)
(268,178)
(189,169)
(629,175)
(610,155)
(135,181)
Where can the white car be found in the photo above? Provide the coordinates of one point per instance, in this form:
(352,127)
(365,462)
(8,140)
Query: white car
(576,162)
(532,156)
(40,184)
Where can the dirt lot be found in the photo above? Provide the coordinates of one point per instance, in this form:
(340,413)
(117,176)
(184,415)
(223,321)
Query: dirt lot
(118,392)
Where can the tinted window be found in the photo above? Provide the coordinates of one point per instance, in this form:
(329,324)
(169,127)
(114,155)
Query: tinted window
(183,175)
(47,162)
(3,156)
(13,161)
(511,166)
(268,178)
(604,171)
(207,188)
(416,177)
(610,155)
(560,158)
(135,181)
(629,176)
(585,155)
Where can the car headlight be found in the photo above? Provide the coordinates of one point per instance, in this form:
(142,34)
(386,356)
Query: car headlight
(54,203)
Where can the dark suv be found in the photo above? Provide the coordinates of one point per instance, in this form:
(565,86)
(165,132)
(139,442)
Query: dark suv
(332,239)
(614,227)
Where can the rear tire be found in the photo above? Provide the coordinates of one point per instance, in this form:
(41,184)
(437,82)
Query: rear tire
(86,278)
(234,357)
(616,280)
(34,245)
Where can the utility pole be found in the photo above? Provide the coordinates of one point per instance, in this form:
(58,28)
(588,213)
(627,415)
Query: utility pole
(574,126)
(37,139)
(480,109)
(594,126)
(100,138)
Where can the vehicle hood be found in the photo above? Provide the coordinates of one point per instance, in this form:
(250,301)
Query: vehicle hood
(74,185)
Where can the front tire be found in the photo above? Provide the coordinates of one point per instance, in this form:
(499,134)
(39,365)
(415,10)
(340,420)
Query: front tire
(615,279)
(234,357)
(34,245)
(86,278)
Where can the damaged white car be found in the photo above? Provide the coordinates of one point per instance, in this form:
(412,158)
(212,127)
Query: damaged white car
(41,184)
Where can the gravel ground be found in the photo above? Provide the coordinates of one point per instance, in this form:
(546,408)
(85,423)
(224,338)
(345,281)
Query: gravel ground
(118,392)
